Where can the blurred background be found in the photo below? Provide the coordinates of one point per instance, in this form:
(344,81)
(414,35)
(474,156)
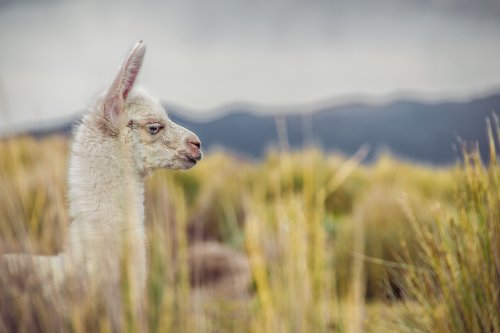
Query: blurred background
(407,76)
(282,227)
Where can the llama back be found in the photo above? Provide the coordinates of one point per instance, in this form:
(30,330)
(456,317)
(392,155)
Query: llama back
(52,270)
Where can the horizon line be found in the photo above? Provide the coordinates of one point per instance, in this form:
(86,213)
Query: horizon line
(261,109)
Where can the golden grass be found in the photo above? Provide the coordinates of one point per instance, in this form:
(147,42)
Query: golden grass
(459,259)
(333,246)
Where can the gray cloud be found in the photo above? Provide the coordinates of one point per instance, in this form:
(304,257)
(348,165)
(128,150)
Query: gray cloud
(57,54)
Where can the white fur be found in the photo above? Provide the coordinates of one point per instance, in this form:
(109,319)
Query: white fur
(113,150)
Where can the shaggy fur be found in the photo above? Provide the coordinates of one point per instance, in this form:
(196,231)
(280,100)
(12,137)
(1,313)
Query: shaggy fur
(125,135)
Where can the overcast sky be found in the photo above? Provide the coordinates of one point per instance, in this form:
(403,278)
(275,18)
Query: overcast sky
(55,56)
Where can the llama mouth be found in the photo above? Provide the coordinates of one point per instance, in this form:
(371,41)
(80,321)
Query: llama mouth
(190,159)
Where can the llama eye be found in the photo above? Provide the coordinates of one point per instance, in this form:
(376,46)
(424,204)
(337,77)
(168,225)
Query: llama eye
(154,128)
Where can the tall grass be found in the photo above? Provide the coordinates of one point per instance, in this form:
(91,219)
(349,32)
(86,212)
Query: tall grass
(458,281)
(330,245)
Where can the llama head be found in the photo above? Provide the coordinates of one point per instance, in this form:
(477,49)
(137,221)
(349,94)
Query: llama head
(140,125)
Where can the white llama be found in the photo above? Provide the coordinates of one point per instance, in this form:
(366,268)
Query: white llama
(124,136)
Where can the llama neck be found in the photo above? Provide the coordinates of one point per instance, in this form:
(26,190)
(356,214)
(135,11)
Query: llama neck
(104,187)
(106,193)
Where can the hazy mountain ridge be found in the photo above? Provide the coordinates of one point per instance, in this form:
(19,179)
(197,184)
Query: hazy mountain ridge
(424,132)
(420,131)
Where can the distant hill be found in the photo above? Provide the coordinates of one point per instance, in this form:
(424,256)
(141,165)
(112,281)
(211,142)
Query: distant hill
(424,132)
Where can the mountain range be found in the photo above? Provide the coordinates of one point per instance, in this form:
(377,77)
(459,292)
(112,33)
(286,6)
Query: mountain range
(427,132)
(419,131)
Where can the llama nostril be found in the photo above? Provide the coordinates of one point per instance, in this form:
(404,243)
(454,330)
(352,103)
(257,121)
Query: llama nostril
(194,141)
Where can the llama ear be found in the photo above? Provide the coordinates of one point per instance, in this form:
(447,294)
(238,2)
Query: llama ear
(123,83)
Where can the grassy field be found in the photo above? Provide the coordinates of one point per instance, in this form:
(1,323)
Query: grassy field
(310,243)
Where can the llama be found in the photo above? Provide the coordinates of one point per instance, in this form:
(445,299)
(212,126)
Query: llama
(125,135)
